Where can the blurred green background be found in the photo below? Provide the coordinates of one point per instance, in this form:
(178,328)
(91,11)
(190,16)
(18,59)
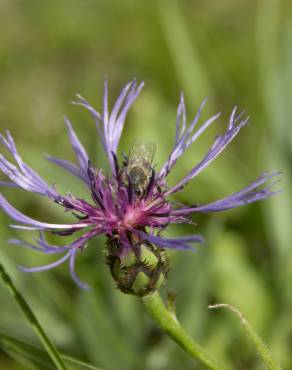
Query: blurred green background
(234,52)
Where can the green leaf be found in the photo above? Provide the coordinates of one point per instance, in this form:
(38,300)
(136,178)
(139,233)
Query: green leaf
(32,319)
(37,356)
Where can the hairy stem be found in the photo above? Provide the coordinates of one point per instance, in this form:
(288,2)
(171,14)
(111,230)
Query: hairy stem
(260,345)
(28,313)
(168,323)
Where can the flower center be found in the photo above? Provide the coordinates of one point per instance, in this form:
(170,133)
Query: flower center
(133,216)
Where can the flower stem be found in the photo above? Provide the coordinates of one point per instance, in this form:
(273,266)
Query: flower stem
(168,322)
(263,350)
(28,313)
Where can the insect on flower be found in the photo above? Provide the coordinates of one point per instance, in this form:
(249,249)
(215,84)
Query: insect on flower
(137,171)
(131,206)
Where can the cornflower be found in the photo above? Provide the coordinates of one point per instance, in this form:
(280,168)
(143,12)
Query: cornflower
(131,206)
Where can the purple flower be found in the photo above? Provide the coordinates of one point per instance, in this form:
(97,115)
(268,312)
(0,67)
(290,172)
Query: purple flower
(132,204)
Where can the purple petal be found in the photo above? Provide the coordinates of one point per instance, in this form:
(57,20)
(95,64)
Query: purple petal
(119,124)
(172,243)
(23,176)
(220,143)
(118,105)
(105,109)
(20,217)
(184,140)
(45,248)
(48,248)
(194,122)
(116,121)
(181,119)
(112,125)
(70,167)
(46,267)
(25,244)
(96,116)
(249,194)
(8,184)
(73,273)
(78,148)
(17,177)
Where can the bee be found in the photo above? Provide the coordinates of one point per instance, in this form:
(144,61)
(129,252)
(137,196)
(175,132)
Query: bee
(138,171)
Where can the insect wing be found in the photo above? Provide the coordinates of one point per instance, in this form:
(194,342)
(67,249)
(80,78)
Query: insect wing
(142,150)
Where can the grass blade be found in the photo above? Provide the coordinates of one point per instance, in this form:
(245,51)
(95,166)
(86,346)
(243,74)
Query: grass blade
(28,313)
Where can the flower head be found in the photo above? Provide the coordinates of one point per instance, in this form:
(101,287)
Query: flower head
(132,205)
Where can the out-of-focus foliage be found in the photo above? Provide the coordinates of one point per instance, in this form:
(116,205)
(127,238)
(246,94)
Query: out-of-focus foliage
(236,52)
